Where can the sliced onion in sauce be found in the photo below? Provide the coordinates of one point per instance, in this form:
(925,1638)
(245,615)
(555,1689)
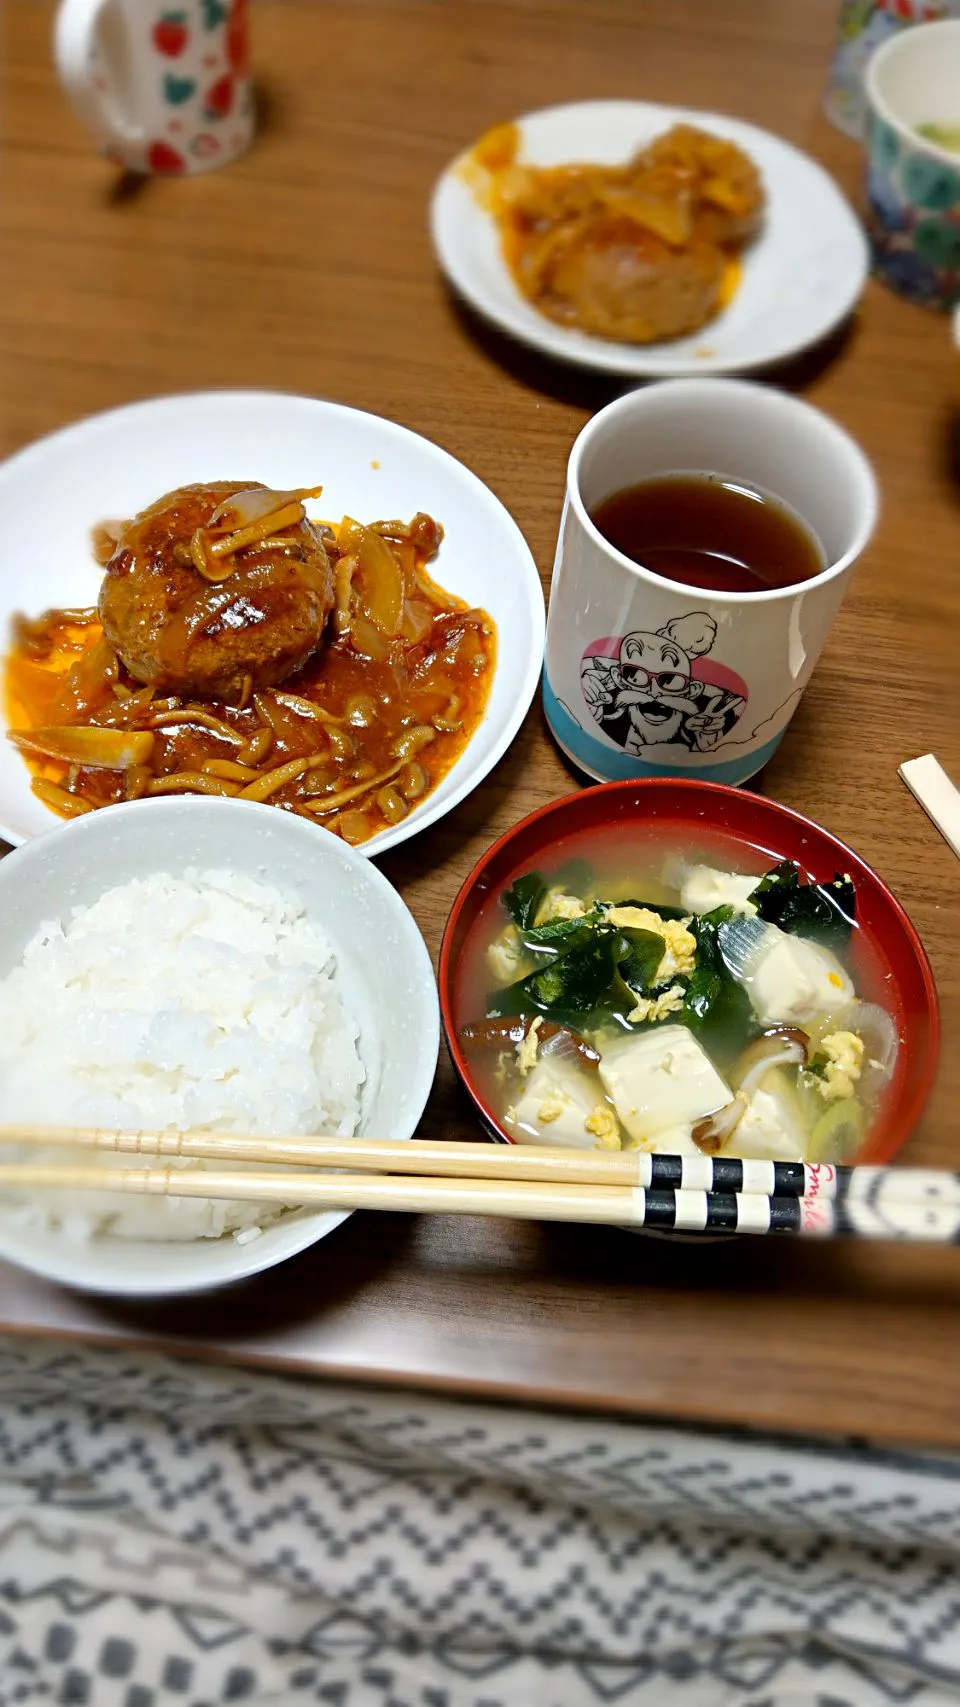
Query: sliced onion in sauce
(368,640)
(418,618)
(254,502)
(378,584)
(87,745)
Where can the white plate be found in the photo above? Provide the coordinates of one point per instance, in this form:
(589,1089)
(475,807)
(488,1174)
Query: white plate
(384,974)
(53,492)
(801,277)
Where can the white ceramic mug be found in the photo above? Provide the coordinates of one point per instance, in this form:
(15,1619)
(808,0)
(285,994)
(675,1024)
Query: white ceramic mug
(162,84)
(731,665)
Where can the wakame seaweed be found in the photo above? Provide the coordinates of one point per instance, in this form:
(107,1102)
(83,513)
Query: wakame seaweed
(640,954)
(601,979)
(559,934)
(569,987)
(714,1005)
(522,900)
(822,912)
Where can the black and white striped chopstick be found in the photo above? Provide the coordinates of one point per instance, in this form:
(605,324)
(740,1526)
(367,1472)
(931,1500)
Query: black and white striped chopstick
(790,1179)
(875,1213)
(881,1212)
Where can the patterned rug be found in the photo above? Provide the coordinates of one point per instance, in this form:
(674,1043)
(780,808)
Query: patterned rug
(174,1535)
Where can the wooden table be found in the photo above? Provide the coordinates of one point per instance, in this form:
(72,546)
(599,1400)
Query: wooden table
(307,267)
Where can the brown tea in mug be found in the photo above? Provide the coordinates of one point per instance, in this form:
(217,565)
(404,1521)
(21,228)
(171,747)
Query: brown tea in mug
(703,531)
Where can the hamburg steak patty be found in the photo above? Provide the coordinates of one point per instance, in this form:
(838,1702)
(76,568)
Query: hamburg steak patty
(191,612)
(620,281)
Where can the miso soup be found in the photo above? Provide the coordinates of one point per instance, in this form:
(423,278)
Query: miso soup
(631,993)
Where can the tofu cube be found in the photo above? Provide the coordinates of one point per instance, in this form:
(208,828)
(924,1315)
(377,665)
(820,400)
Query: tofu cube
(558,1099)
(796,982)
(660,1079)
(705,888)
(672,1141)
(771,1129)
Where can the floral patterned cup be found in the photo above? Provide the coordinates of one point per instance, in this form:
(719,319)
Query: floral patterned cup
(862,27)
(913,182)
(162,84)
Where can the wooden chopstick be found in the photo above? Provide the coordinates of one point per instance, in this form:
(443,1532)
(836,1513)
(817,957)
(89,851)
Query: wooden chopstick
(610,1204)
(940,798)
(929,1220)
(374,1155)
(547,1165)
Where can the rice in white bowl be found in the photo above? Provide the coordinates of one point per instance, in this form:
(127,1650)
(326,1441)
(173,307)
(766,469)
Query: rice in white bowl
(205,1001)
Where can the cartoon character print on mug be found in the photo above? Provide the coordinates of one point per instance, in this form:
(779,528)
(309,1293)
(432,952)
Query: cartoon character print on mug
(651,690)
(177,99)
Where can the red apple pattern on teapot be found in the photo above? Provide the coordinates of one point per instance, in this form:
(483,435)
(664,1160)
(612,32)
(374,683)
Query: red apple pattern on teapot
(238,37)
(170,34)
(203,51)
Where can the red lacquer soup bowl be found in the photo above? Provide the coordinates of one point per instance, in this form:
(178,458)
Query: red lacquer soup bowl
(886,957)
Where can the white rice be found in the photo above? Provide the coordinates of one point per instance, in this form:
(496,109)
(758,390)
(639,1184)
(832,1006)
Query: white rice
(205,1001)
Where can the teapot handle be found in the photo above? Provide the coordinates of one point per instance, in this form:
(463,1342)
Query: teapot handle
(89,87)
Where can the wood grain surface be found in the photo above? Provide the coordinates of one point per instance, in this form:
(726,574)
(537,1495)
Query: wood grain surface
(306,267)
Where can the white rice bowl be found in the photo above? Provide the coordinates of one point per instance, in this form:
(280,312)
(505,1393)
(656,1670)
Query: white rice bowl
(206,1001)
(206,963)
